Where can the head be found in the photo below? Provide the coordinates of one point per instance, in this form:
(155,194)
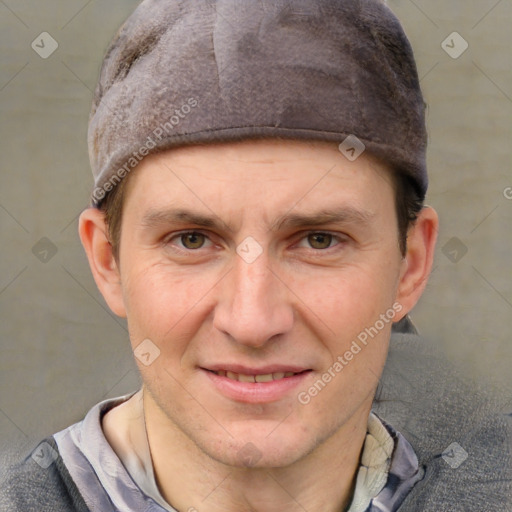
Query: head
(255,254)
(308,292)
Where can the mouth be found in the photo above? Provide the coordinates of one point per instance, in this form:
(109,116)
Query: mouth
(252,385)
(259,377)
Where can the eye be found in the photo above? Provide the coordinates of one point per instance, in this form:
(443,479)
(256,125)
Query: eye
(320,241)
(190,240)
(193,240)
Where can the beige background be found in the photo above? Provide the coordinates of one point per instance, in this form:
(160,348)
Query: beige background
(62,350)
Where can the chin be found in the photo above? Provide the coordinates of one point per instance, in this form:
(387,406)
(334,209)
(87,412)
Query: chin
(260,450)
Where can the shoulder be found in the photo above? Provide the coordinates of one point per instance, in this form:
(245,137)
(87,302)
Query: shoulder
(472,472)
(40,482)
(460,430)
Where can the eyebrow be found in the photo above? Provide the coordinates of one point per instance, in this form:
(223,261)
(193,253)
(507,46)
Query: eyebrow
(341,215)
(155,218)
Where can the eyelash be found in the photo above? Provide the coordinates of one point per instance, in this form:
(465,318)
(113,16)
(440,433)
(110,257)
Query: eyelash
(341,240)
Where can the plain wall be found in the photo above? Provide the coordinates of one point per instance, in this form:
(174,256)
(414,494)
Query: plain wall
(61,349)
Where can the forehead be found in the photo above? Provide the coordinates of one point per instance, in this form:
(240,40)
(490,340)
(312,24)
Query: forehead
(236,158)
(257,174)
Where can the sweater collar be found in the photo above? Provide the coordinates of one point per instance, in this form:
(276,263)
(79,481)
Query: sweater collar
(388,467)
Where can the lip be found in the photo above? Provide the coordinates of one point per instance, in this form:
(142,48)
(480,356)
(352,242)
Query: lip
(256,392)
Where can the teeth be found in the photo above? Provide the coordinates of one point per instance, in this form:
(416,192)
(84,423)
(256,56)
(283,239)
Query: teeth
(264,378)
(267,377)
(246,378)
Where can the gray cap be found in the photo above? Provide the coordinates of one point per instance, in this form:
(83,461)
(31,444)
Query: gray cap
(180,72)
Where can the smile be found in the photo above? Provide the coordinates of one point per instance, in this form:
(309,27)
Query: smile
(256,385)
(267,377)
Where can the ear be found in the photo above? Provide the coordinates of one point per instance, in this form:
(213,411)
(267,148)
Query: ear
(417,263)
(94,235)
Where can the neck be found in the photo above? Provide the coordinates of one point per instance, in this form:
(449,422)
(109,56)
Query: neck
(189,479)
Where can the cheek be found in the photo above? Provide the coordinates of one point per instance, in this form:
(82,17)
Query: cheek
(155,300)
(163,307)
(163,302)
(353,315)
(348,300)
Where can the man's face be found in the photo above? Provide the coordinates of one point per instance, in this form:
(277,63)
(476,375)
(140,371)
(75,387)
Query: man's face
(260,289)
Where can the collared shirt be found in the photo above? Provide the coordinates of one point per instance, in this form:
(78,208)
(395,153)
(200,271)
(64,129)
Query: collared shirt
(123,481)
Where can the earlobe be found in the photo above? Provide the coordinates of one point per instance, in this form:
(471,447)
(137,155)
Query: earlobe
(417,263)
(94,236)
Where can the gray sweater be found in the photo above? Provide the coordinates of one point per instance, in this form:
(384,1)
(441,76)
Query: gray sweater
(462,439)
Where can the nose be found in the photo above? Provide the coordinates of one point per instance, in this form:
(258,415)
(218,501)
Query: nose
(254,305)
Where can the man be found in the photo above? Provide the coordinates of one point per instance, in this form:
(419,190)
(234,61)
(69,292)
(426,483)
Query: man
(258,218)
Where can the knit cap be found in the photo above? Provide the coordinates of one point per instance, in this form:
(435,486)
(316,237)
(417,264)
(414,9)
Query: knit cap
(182,72)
